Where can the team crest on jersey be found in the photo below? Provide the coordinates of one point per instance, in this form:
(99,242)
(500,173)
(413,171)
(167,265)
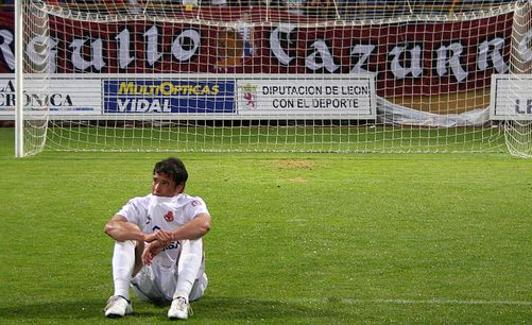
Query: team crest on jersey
(169,216)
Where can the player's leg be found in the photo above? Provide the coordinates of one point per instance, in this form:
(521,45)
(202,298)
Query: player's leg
(188,267)
(199,287)
(126,261)
(148,283)
(154,282)
(139,248)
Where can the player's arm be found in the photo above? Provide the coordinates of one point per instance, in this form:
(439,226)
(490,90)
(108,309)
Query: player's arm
(194,229)
(120,229)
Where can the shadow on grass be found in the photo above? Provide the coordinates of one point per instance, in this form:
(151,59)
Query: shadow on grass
(215,308)
(72,309)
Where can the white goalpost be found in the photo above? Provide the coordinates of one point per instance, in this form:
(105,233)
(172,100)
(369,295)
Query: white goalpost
(274,76)
(19,117)
(514,91)
(32,76)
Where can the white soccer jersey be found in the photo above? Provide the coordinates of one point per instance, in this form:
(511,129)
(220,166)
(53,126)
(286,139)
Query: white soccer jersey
(153,212)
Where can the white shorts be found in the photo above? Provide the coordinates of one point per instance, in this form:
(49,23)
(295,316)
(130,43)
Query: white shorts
(157,284)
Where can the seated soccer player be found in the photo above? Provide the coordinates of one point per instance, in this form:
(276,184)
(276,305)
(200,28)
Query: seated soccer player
(159,247)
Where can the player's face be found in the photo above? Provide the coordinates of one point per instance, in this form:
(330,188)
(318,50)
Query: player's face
(162,185)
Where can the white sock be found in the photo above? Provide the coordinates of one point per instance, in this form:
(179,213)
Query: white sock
(188,267)
(123,263)
(183,287)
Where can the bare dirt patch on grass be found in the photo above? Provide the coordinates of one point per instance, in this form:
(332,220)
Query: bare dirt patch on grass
(295,164)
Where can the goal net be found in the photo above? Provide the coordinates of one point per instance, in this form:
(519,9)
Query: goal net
(266,75)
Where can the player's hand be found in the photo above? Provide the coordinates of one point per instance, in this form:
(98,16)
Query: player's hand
(163,236)
(149,237)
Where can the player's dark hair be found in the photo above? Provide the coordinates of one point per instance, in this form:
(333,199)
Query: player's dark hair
(174,168)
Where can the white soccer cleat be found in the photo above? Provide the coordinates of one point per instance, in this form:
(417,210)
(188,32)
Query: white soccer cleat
(118,306)
(179,309)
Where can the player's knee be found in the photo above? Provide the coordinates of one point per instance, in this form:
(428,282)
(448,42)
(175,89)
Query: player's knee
(205,226)
(126,244)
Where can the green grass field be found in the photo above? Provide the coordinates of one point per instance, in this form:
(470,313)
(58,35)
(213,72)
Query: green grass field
(296,238)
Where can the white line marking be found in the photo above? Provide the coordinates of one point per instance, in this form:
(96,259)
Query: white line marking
(434,301)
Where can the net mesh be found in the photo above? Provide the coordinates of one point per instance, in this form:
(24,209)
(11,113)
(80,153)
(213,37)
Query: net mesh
(309,76)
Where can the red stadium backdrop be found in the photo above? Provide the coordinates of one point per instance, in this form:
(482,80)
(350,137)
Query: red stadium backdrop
(408,58)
